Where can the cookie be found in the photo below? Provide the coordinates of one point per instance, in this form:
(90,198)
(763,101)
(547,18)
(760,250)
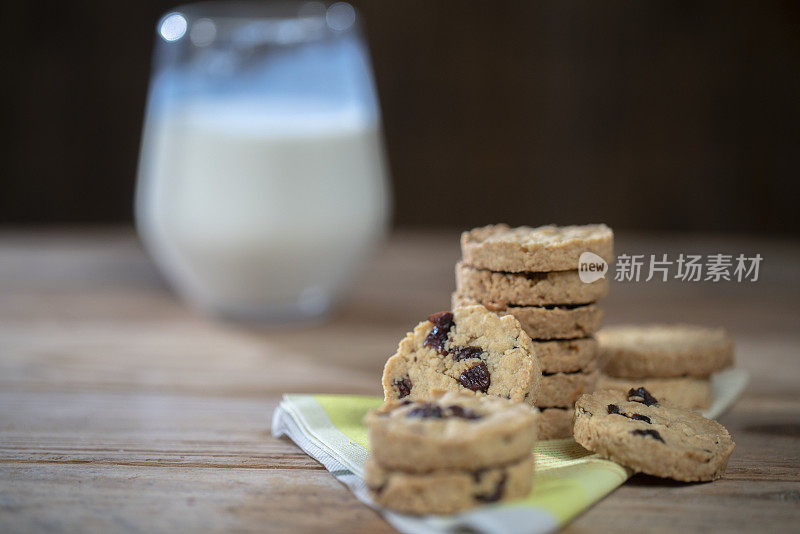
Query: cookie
(545,322)
(527,289)
(567,355)
(469,350)
(664,351)
(447,491)
(555,423)
(500,247)
(452,431)
(635,430)
(684,392)
(561,389)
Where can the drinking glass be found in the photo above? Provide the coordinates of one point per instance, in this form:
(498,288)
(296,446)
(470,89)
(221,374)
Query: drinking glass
(262,183)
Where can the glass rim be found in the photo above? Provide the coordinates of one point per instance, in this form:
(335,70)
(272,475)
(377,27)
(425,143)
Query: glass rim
(279,22)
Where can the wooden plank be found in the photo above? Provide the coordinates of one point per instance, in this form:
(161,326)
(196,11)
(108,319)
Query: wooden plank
(651,505)
(113,498)
(114,428)
(164,357)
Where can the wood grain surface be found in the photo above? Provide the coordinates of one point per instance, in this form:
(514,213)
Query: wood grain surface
(121,410)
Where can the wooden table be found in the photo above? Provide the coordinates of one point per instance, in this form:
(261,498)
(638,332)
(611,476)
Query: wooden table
(122,410)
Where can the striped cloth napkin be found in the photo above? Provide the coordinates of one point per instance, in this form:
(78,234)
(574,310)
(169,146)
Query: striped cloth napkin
(568,478)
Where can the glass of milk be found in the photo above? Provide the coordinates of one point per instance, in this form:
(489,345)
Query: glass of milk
(262,183)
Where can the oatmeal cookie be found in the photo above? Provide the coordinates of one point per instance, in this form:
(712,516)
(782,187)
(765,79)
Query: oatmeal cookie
(447,491)
(469,350)
(567,321)
(527,289)
(555,423)
(635,430)
(683,392)
(567,355)
(499,247)
(453,430)
(664,351)
(561,389)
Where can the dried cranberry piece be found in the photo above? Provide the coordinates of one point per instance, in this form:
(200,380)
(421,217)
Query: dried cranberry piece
(477,475)
(652,433)
(463,413)
(640,393)
(614,409)
(426,410)
(497,494)
(442,323)
(476,378)
(462,353)
(403,386)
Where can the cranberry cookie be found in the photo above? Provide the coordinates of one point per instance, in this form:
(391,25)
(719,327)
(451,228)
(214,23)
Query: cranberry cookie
(452,431)
(683,392)
(555,423)
(470,350)
(664,351)
(562,389)
(499,247)
(447,491)
(567,355)
(529,288)
(635,430)
(567,321)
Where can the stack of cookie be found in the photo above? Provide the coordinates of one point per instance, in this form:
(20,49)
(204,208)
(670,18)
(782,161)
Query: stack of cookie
(674,362)
(532,274)
(449,453)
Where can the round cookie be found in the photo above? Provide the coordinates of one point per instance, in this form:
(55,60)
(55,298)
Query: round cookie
(664,351)
(447,491)
(452,431)
(561,389)
(567,355)
(470,350)
(527,289)
(555,423)
(689,393)
(499,247)
(545,322)
(634,430)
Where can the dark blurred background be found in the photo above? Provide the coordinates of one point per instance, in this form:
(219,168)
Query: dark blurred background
(645,115)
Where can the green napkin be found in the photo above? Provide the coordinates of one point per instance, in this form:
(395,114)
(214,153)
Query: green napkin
(568,478)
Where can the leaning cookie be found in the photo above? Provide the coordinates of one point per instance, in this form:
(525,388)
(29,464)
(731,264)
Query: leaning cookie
(634,430)
(664,351)
(683,392)
(451,431)
(567,321)
(527,289)
(500,247)
(447,491)
(469,350)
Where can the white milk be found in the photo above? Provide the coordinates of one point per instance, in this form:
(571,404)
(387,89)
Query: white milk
(261,211)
